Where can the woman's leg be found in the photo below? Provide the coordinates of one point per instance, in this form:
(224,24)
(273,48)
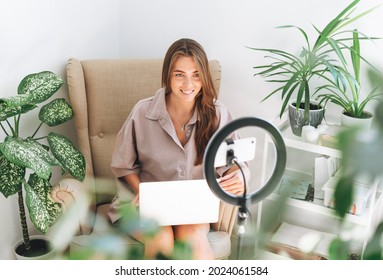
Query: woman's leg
(196,236)
(162,242)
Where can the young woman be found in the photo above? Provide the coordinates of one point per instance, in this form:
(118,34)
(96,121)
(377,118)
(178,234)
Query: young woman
(165,137)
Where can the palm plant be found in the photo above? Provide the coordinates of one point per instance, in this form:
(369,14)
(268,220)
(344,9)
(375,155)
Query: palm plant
(346,87)
(320,60)
(18,153)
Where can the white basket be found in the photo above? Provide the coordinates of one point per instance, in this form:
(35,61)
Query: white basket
(361,195)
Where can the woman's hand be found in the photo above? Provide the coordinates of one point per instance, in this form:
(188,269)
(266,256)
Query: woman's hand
(136,200)
(232,183)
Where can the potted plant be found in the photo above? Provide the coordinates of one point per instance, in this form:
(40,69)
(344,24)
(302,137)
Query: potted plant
(315,63)
(361,156)
(345,90)
(26,162)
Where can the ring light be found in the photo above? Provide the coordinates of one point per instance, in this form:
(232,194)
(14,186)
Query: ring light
(211,151)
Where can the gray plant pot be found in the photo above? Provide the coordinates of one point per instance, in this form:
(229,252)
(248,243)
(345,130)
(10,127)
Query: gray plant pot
(296,117)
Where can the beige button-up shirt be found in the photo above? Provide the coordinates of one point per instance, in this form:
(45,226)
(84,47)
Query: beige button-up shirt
(147,143)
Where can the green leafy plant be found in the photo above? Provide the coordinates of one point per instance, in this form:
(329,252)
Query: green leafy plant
(345,90)
(317,61)
(19,153)
(361,156)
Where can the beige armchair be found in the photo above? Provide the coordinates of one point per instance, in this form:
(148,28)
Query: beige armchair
(102,93)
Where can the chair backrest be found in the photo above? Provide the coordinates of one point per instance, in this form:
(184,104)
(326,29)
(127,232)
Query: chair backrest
(102,94)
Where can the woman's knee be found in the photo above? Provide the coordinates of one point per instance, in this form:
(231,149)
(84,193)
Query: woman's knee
(162,242)
(187,232)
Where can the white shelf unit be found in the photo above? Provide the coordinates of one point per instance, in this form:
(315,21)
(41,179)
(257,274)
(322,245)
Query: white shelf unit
(313,216)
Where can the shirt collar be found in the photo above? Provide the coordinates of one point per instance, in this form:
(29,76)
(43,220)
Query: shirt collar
(157,108)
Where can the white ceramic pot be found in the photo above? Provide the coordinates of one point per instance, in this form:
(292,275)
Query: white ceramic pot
(38,256)
(348,121)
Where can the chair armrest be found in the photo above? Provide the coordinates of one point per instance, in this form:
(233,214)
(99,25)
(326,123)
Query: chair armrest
(68,192)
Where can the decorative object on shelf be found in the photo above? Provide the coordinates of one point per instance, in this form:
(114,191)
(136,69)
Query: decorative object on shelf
(345,90)
(324,168)
(310,134)
(19,154)
(316,63)
(360,198)
(297,117)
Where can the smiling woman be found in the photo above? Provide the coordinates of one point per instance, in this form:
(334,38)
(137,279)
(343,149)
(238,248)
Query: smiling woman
(185,84)
(180,119)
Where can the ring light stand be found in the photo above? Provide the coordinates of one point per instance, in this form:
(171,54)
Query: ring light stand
(242,201)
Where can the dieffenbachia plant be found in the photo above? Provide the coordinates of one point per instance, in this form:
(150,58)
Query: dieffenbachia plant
(39,155)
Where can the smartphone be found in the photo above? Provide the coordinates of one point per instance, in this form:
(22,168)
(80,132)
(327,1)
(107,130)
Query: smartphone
(243,149)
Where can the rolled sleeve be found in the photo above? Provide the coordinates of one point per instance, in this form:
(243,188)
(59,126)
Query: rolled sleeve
(124,159)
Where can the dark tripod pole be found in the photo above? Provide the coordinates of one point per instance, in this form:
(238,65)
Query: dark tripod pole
(242,220)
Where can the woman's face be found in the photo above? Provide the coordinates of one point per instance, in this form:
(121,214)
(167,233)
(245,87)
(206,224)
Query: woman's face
(185,82)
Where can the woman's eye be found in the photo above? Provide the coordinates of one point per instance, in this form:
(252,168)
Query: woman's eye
(178,75)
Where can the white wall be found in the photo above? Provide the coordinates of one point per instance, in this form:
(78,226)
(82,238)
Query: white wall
(224,28)
(41,35)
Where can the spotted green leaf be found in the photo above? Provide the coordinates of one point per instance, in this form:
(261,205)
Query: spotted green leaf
(40,86)
(56,112)
(16,101)
(11,176)
(68,155)
(7,111)
(43,210)
(27,154)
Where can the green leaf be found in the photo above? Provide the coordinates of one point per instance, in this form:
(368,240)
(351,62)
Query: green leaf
(43,210)
(11,177)
(301,30)
(17,101)
(56,112)
(374,250)
(40,86)
(25,154)
(333,25)
(339,249)
(355,54)
(41,151)
(343,195)
(7,111)
(68,155)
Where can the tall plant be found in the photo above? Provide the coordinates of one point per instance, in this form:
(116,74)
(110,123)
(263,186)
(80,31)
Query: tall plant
(345,89)
(295,73)
(19,153)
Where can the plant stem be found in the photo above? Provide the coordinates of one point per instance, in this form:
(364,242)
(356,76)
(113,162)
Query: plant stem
(17,124)
(10,126)
(23,221)
(40,138)
(33,135)
(6,133)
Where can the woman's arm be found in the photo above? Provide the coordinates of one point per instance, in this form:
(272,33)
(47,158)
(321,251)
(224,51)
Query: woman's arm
(134,181)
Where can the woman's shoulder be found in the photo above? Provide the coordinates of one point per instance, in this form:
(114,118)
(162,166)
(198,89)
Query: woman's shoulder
(221,109)
(143,105)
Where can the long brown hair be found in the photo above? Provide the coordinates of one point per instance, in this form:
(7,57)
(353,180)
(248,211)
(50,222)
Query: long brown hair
(207,119)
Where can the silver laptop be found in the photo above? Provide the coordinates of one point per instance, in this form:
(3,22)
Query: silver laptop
(178,202)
